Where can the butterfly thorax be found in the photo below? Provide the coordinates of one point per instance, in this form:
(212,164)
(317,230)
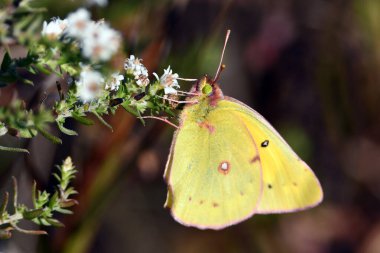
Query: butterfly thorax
(208,95)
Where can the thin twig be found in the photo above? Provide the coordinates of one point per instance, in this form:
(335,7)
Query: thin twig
(162,119)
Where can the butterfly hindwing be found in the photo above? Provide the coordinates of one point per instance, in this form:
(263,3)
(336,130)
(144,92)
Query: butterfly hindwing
(214,171)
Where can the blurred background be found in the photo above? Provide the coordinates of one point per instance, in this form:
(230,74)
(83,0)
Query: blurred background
(312,68)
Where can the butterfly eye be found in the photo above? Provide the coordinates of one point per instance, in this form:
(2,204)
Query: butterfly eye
(207,89)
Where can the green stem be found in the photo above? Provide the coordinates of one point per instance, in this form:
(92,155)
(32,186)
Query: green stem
(13,219)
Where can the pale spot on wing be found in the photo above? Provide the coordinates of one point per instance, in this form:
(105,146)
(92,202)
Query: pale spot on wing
(224,167)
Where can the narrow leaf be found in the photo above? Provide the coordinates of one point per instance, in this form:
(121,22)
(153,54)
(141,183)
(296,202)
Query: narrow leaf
(32,214)
(4,205)
(10,149)
(103,121)
(15,192)
(66,130)
(48,135)
(34,191)
(82,120)
(54,222)
(6,62)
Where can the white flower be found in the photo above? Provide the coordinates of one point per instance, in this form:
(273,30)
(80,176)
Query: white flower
(100,42)
(3,129)
(101,3)
(134,67)
(78,22)
(54,28)
(67,165)
(142,80)
(169,81)
(90,85)
(114,82)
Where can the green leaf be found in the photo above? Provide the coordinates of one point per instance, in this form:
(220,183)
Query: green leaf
(67,203)
(66,130)
(130,109)
(42,68)
(6,62)
(26,132)
(53,201)
(64,211)
(32,214)
(15,192)
(27,81)
(10,149)
(103,121)
(82,120)
(4,205)
(48,135)
(54,222)
(34,191)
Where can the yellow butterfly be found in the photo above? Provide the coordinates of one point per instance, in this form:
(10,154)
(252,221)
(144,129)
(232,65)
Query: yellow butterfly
(227,163)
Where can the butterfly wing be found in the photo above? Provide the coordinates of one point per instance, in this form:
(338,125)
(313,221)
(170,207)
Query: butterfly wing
(288,182)
(213,171)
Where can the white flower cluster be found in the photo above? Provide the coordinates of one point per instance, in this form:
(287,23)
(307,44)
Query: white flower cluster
(54,28)
(133,66)
(114,81)
(91,84)
(169,81)
(97,40)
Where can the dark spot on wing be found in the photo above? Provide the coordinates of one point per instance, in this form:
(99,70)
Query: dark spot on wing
(269,186)
(189,198)
(201,202)
(295,184)
(265,143)
(215,204)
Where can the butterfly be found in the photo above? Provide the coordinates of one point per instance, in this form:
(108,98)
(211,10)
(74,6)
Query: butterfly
(227,163)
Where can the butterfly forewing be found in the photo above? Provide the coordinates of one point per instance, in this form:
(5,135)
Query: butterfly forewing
(288,182)
(214,171)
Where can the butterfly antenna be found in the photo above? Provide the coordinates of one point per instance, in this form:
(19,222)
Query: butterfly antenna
(221,65)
